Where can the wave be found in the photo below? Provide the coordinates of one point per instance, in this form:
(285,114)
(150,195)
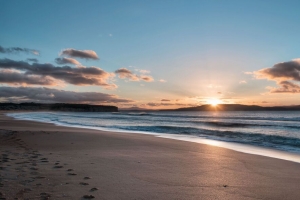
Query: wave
(226,124)
(139,113)
(138,117)
(274,141)
(182,126)
(180,115)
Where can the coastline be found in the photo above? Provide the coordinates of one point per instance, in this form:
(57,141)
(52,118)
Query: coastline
(132,166)
(240,147)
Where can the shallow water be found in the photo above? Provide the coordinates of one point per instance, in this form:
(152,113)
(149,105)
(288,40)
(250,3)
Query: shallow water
(272,130)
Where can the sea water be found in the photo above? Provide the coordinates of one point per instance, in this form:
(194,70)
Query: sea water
(274,134)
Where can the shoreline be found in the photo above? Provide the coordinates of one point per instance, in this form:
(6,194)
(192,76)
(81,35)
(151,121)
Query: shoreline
(132,166)
(239,147)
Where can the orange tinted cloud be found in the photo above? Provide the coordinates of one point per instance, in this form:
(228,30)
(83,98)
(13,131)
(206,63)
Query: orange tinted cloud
(62,61)
(284,74)
(146,78)
(286,87)
(124,73)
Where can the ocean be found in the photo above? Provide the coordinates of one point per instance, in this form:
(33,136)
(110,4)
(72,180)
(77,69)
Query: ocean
(273,134)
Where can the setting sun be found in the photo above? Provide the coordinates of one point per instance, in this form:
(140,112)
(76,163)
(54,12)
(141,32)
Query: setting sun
(214,102)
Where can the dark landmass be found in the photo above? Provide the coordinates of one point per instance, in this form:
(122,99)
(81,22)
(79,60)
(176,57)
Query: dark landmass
(136,110)
(57,107)
(236,107)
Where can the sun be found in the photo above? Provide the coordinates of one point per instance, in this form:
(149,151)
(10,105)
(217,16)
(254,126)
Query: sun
(214,102)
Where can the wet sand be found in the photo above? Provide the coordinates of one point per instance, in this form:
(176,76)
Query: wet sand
(44,161)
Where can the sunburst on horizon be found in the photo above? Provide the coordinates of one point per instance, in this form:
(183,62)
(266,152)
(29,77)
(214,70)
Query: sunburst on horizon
(214,102)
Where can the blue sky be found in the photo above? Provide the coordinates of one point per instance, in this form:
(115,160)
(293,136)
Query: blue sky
(201,48)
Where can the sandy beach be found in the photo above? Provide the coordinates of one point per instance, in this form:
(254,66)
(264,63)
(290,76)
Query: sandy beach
(45,161)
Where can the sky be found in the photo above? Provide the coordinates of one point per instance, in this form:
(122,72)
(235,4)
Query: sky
(150,54)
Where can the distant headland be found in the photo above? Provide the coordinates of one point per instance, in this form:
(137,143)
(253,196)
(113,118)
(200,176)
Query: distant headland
(57,107)
(236,107)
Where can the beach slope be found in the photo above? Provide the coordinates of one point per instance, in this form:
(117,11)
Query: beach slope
(44,161)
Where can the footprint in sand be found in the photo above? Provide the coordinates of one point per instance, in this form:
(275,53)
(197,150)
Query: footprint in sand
(58,166)
(93,189)
(45,196)
(72,174)
(88,197)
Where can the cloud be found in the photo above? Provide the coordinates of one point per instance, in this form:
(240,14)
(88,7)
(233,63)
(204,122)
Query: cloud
(19,94)
(143,71)
(283,74)
(153,104)
(146,78)
(285,87)
(281,71)
(162,81)
(87,54)
(165,100)
(18,50)
(75,76)
(243,82)
(14,77)
(36,52)
(63,61)
(124,73)
(32,60)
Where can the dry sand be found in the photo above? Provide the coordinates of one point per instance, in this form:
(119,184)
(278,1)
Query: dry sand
(44,161)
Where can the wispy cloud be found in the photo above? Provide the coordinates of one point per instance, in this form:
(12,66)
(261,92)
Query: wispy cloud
(86,54)
(63,61)
(32,60)
(124,73)
(146,78)
(143,71)
(18,50)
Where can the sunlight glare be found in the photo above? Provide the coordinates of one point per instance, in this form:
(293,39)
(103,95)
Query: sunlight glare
(214,102)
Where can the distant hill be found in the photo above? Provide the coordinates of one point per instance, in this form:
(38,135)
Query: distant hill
(58,107)
(236,107)
(136,109)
